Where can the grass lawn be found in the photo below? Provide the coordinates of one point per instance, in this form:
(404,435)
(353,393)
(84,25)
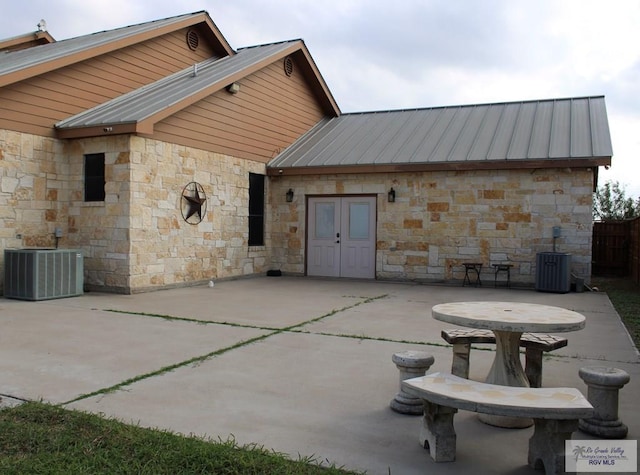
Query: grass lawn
(37,438)
(625,297)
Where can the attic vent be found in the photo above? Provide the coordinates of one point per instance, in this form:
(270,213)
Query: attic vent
(288,66)
(193,40)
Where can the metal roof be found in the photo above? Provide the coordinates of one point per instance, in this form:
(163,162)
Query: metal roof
(140,104)
(18,60)
(569,128)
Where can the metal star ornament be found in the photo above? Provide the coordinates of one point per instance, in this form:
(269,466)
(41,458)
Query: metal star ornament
(194,203)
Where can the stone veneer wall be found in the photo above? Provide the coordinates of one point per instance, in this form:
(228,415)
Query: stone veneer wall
(136,239)
(165,250)
(33,191)
(441,219)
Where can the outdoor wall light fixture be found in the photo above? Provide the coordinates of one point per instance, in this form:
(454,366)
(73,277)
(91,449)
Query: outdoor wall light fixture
(391,196)
(289,195)
(233,88)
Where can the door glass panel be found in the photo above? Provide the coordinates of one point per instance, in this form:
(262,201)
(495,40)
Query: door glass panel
(325,222)
(358,221)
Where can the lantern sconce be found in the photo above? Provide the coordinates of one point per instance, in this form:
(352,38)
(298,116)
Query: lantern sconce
(391,196)
(289,195)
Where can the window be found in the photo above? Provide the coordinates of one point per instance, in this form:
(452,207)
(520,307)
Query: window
(94,177)
(256,209)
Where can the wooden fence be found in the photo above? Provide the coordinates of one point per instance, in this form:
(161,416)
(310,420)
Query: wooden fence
(616,249)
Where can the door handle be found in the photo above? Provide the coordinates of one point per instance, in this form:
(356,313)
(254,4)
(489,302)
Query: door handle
(338,236)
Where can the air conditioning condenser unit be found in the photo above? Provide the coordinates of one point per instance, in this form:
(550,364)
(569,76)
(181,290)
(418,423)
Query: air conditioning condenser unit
(41,274)
(553,272)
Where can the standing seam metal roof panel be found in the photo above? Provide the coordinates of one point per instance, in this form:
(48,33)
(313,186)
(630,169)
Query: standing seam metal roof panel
(340,138)
(425,151)
(516,131)
(464,143)
(451,134)
(384,142)
(600,135)
(484,137)
(355,140)
(336,133)
(503,132)
(412,133)
(381,129)
(522,132)
(541,131)
(418,133)
(409,136)
(580,125)
(560,143)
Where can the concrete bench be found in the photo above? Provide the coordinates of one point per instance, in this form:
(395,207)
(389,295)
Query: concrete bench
(534,343)
(555,412)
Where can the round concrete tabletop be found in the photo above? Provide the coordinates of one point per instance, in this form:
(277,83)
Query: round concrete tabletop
(509,316)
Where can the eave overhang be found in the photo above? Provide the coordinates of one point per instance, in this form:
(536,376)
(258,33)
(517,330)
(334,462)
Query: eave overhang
(591,162)
(105,130)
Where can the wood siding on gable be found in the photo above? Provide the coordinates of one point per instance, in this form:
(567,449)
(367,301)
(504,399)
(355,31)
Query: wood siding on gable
(35,105)
(269,113)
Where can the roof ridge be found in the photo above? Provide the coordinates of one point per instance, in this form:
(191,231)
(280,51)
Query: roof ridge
(295,40)
(460,106)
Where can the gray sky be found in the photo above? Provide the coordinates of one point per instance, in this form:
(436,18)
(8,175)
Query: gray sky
(379,55)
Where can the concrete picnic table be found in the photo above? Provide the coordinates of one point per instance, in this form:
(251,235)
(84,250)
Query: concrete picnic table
(508,320)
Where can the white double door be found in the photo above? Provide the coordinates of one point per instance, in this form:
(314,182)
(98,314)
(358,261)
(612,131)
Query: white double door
(341,239)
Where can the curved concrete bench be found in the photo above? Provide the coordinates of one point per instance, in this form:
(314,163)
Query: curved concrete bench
(534,343)
(555,412)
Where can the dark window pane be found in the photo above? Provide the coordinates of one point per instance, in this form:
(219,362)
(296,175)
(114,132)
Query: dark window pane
(256,231)
(256,209)
(94,177)
(256,194)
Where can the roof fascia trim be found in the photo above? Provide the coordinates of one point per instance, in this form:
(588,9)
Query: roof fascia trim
(592,162)
(98,131)
(329,102)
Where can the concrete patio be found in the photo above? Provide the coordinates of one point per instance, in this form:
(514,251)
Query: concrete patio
(299,365)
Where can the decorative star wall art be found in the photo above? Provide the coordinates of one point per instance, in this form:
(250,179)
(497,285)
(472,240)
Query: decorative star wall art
(194,203)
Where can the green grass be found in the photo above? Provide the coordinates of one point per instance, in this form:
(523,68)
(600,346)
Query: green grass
(625,297)
(37,438)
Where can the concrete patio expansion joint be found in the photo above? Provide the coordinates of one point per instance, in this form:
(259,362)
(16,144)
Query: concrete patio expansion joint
(199,359)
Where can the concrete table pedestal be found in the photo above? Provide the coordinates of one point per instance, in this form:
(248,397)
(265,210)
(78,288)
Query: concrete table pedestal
(411,364)
(603,384)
